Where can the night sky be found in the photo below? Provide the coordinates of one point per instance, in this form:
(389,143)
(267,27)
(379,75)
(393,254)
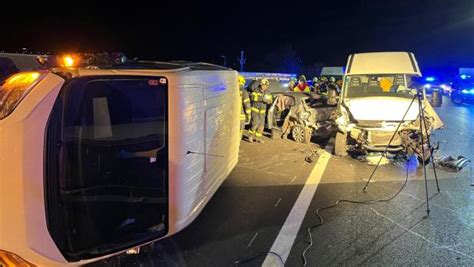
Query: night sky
(440,33)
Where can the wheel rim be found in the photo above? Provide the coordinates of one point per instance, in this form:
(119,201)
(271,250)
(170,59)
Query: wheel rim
(298,133)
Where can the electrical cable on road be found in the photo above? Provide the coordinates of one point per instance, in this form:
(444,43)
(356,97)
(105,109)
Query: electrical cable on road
(321,219)
(418,96)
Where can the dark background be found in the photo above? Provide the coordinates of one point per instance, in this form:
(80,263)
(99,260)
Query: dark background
(289,36)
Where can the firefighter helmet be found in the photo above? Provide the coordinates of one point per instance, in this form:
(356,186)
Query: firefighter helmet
(332,79)
(264,82)
(241,80)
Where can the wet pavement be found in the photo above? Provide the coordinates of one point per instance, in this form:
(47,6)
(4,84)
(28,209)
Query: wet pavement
(247,213)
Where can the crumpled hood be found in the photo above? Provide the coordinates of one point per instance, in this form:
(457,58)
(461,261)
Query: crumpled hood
(382,108)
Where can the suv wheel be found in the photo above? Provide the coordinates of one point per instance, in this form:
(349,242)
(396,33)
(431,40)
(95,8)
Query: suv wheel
(298,133)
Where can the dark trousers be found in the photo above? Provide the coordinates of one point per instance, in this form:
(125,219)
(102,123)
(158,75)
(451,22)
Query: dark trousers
(257,125)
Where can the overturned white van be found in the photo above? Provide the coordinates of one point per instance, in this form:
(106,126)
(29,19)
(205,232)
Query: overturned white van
(95,161)
(377,100)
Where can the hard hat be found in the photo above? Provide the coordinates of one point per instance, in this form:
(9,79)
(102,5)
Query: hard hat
(264,82)
(315,79)
(302,78)
(241,80)
(324,78)
(332,79)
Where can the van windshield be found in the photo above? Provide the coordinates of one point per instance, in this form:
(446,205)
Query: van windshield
(377,85)
(107,164)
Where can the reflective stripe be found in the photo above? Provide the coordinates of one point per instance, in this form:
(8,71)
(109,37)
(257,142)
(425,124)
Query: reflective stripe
(257,134)
(247,100)
(262,111)
(248,111)
(255,110)
(256,95)
(251,132)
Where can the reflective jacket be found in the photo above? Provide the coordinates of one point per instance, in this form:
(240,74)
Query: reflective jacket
(260,100)
(306,89)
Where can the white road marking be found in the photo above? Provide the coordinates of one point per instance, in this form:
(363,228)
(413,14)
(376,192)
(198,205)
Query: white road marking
(285,239)
(278,202)
(251,241)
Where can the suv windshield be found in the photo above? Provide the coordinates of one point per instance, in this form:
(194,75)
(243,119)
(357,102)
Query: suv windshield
(376,85)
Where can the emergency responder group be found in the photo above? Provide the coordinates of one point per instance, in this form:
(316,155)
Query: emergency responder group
(319,85)
(254,104)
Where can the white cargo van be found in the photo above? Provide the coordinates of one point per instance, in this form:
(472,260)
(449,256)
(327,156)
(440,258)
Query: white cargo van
(95,161)
(376,99)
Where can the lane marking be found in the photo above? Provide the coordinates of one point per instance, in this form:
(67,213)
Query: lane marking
(278,202)
(251,241)
(285,239)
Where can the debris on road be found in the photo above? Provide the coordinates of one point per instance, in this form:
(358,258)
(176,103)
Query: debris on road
(311,157)
(452,164)
(373,159)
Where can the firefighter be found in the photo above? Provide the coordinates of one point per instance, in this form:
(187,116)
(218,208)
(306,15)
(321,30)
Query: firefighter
(291,84)
(333,85)
(302,85)
(315,87)
(259,98)
(323,85)
(245,105)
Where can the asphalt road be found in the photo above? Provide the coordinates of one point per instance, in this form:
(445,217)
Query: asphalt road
(256,202)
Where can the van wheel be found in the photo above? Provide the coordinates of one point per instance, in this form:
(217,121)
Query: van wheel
(340,144)
(298,134)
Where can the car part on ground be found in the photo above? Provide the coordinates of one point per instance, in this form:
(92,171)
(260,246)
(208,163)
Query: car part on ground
(452,164)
